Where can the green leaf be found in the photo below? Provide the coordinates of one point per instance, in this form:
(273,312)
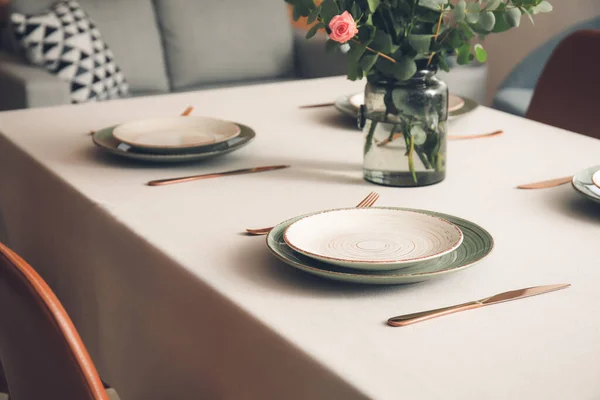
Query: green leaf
(512,16)
(459,11)
(356,52)
(433,4)
(491,5)
(356,11)
(313,15)
(404,69)
(442,63)
(382,42)
(543,7)
(367,62)
(296,13)
(420,43)
(487,20)
(329,9)
(472,13)
(331,46)
(463,53)
(480,53)
(373,4)
(354,71)
(313,29)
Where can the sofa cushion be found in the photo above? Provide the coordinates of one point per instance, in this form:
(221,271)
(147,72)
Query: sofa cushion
(130,29)
(67,43)
(208,42)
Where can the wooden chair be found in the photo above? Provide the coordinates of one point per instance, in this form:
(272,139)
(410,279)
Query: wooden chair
(41,352)
(567,94)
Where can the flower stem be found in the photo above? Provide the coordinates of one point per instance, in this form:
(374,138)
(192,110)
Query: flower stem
(376,52)
(437,33)
(369,139)
(411,161)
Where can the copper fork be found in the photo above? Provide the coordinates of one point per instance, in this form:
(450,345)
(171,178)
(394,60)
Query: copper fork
(366,203)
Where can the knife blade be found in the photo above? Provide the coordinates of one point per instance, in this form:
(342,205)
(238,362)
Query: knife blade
(161,182)
(403,320)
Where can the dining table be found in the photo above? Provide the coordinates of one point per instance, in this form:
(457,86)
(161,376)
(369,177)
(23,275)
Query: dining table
(174,301)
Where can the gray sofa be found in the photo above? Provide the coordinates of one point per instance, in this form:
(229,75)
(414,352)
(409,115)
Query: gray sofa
(167,46)
(516,92)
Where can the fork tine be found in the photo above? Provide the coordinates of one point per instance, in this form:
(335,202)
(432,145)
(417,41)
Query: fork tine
(371,201)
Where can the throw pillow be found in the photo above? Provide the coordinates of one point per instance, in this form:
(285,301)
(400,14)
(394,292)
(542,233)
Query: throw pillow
(67,43)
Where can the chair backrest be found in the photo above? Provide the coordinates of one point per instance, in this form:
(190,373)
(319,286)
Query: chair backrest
(40,350)
(567,94)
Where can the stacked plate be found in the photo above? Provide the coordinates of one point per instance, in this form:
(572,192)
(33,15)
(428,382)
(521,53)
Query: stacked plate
(379,245)
(587,182)
(176,139)
(457,105)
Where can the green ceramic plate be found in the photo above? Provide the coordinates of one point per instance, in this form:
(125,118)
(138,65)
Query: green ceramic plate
(582,182)
(345,107)
(476,245)
(107,142)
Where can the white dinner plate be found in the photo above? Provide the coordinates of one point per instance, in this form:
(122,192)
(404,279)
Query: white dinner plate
(176,132)
(455,102)
(583,182)
(373,239)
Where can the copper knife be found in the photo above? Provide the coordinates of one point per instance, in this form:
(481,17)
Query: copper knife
(169,181)
(408,319)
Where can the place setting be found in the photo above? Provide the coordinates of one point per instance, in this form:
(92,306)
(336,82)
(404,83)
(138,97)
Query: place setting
(378,245)
(183,138)
(586,182)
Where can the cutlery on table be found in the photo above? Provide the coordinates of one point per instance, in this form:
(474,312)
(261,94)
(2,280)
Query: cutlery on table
(450,137)
(547,184)
(162,182)
(317,105)
(408,319)
(185,113)
(365,203)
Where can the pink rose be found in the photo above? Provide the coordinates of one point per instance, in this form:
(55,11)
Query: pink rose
(343,27)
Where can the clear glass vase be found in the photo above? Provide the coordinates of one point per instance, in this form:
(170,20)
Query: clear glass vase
(405,131)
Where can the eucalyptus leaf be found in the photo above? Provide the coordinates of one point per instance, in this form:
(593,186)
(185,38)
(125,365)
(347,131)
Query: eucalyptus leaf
(543,7)
(459,11)
(492,4)
(433,4)
(487,20)
(472,13)
(480,53)
(356,52)
(329,9)
(404,69)
(367,62)
(354,71)
(463,53)
(420,43)
(313,15)
(313,29)
(331,46)
(513,17)
(356,11)
(373,4)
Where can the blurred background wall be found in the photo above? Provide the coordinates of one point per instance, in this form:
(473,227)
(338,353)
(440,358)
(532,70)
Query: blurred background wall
(507,49)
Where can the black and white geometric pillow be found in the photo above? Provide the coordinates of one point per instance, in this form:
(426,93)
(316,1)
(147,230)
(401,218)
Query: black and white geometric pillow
(66,42)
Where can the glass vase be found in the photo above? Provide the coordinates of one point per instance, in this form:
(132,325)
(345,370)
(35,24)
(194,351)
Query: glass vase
(405,131)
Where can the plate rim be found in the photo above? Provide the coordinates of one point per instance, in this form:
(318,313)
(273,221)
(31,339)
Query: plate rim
(380,279)
(170,157)
(343,105)
(371,262)
(238,130)
(580,186)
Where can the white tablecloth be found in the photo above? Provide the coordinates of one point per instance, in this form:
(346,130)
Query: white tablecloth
(174,302)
